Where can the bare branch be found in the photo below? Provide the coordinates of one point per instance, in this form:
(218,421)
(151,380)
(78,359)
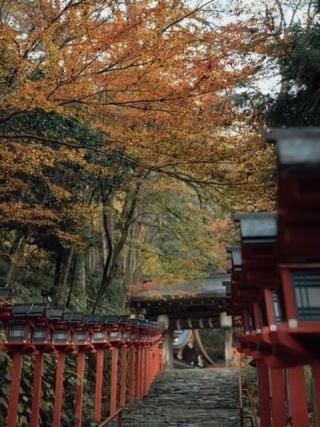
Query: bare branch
(187,15)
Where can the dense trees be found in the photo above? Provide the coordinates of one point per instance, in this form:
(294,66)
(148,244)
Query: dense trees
(298,104)
(122,144)
(283,41)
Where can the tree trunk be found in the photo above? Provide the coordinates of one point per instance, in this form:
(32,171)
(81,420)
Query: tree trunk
(103,239)
(15,254)
(62,286)
(72,280)
(112,262)
(81,289)
(57,275)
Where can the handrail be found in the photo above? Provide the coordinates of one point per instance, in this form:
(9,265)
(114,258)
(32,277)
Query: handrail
(241,390)
(253,417)
(118,414)
(34,330)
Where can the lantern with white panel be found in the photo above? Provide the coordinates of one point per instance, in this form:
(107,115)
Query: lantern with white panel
(259,263)
(297,337)
(20,330)
(298,152)
(111,322)
(61,330)
(124,322)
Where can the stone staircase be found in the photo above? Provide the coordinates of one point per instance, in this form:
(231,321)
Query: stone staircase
(188,398)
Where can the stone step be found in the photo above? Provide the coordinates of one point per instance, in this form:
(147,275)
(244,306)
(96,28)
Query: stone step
(188,398)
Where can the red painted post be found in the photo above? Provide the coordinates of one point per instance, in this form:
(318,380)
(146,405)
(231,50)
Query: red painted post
(288,295)
(257,316)
(146,370)
(138,372)
(160,363)
(132,373)
(156,361)
(15,389)
(150,358)
(79,389)
(264,393)
(316,391)
(278,398)
(153,358)
(123,381)
(99,382)
(159,360)
(113,380)
(58,390)
(150,353)
(269,307)
(140,396)
(297,397)
(36,390)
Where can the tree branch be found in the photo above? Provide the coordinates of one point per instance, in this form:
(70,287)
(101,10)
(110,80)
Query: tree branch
(192,12)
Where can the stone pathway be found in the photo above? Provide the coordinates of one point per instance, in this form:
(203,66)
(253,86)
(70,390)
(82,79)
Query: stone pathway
(188,398)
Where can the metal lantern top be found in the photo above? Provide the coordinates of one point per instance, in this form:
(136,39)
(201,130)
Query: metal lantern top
(298,196)
(54,314)
(123,320)
(109,320)
(5,294)
(257,227)
(259,235)
(73,317)
(91,319)
(22,311)
(297,146)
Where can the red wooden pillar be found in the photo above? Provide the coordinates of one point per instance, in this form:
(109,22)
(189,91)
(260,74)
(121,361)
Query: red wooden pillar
(132,373)
(145,371)
(141,373)
(160,362)
(278,398)
(159,359)
(98,388)
(58,390)
(138,372)
(264,394)
(123,380)
(297,397)
(15,389)
(148,351)
(79,389)
(113,380)
(316,391)
(150,358)
(151,366)
(36,390)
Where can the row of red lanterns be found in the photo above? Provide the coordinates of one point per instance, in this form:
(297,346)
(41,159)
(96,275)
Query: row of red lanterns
(275,283)
(35,326)
(36,329)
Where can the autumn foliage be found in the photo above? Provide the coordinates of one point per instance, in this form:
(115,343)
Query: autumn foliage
(103,103)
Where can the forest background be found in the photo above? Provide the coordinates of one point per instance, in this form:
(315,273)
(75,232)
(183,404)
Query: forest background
(131,130)
(123,146)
